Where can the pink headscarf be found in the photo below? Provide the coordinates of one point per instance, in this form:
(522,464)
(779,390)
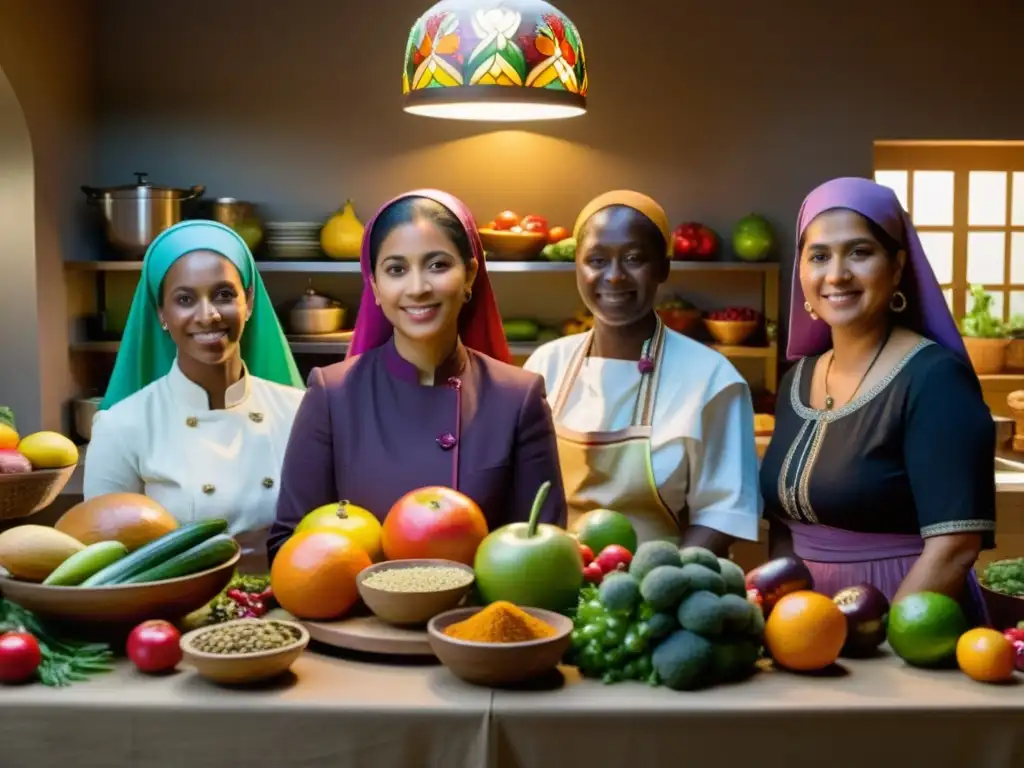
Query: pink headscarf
(480,325)
(927,312)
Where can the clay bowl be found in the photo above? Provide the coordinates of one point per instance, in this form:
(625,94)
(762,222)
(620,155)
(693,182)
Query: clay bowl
(512,246)
(731,332)
(26,493)
(498,664)
(240,668)
(1005,611)
(121,605)
(411,608)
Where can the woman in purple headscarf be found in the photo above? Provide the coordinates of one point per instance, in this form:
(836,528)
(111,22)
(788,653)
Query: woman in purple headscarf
(882,467)
(426,396)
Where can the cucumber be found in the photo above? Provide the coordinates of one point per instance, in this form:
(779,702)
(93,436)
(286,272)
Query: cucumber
(81,565)
(156,552)
(206,554)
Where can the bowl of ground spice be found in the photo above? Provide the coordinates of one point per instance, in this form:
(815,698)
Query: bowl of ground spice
(500,644)
(244,650)
(409,592)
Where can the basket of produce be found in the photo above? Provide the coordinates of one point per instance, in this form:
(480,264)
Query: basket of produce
(1002,585)
(679,315)
(33,469)
(129,568)
(511,238)
(245,650)
(732,326)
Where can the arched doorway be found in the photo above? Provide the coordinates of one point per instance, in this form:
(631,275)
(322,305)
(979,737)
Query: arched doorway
(19,331)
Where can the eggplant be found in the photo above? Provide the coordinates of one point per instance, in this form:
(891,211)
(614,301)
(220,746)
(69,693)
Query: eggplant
(867,613)
(771,581)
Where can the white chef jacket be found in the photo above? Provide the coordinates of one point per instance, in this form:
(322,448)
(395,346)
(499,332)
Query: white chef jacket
(703,451)
(166,442)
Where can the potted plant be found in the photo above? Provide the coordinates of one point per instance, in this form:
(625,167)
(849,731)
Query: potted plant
(1015,349)
(985,335)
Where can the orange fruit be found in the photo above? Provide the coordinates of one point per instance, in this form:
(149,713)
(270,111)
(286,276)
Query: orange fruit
(985,655)
(314,574)
(805,631)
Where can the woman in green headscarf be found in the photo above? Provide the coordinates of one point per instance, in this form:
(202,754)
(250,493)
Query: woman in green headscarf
(204,389)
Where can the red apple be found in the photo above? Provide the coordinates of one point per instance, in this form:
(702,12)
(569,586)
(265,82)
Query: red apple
(506,220)
(154,646)
(433,522)
(694,241)
(534,223)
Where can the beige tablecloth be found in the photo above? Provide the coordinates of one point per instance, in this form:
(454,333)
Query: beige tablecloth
(345,713)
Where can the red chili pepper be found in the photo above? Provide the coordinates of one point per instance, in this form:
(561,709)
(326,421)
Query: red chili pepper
(237,595)
(257,607)
(267,593)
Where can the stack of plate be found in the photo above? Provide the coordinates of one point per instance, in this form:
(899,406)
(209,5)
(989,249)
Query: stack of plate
(294,239)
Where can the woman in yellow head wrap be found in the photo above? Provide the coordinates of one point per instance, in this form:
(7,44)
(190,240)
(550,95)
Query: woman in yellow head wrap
(650,423)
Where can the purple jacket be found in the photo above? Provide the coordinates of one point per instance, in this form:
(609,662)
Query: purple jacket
(368,432)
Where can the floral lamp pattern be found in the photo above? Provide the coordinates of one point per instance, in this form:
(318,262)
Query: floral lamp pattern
(510,59)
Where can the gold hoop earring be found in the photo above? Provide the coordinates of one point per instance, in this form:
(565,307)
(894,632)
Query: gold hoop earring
(469,295)
(898,302)
(809,311)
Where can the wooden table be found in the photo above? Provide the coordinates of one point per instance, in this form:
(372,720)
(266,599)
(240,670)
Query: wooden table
(339,712)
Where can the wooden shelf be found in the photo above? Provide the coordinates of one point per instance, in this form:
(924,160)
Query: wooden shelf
(352,267)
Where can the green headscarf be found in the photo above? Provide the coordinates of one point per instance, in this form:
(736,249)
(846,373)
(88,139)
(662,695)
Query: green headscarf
(147,351)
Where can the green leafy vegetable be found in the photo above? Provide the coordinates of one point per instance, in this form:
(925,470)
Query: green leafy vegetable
(64,661)
(1005,577)
(979,322)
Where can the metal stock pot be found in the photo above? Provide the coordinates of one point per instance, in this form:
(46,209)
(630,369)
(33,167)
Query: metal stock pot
(134,214)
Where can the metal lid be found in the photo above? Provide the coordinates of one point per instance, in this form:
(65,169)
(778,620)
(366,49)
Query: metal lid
(143,188)
(313,300)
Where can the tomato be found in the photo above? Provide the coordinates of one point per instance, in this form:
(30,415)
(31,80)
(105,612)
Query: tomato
(587,554)
(154,646)
(558,234)
(534,223)
(593,573)
(506,220)
(19,657)
(614,557)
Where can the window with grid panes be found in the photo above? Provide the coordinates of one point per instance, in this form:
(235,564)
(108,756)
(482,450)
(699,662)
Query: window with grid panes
(966,200)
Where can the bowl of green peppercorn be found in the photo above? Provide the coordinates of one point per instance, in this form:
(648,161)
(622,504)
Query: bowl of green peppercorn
(244,650)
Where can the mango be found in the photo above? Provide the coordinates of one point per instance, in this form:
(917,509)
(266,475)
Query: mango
(48,450)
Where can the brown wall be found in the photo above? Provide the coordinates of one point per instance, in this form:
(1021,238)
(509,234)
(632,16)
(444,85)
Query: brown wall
(714,107)
(47,52)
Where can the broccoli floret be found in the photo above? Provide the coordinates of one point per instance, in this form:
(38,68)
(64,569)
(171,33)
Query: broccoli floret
(619,592)
(683,661)
(701,612)
(664,587)
(735,661)
(700,556)
(650,555)
(661,625)
(732,574)
(702,578)
(756,626)
(736,614)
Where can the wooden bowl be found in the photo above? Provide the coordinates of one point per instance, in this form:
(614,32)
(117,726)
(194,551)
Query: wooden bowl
(498,664)
(121,605)
(1004,611)
(26,493)
(409,608)
(512,246)
(240,668)
(731,332)
(680,320)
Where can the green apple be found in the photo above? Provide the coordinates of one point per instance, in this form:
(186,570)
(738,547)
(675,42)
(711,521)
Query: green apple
(530,564)
(753,238)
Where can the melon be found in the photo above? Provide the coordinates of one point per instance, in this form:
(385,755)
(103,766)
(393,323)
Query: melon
(130,518)
(33,552)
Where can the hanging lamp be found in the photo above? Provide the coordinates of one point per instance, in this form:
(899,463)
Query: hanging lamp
(502,60)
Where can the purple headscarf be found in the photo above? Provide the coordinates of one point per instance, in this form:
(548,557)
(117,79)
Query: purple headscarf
(927,312)
(480,325)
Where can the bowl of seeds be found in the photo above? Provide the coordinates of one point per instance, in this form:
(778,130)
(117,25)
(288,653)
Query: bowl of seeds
(244,650)
(410,592)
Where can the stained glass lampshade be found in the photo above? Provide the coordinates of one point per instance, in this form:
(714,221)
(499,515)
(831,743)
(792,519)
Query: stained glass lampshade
(504,60)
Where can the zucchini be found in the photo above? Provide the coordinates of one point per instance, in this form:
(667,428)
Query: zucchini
(156,552)
(81,565)
(207,554)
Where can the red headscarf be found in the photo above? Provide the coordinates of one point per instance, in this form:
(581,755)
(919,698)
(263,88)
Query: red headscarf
(480,325)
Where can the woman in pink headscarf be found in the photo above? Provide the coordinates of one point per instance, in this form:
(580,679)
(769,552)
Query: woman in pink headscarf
(427,395)
(882,467)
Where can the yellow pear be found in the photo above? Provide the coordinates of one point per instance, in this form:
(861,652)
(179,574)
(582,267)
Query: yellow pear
(342,235)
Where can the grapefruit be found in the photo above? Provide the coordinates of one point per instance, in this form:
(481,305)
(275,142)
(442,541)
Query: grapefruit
(924,628)
(985,655)
(314,574)
(357,523)
(805,631)
(600,528)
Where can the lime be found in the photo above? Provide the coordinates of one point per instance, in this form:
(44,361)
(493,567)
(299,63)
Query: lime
(924,628)
(603,527)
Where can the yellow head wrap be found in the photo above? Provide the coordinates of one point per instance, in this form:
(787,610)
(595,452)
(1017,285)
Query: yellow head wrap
(635,200)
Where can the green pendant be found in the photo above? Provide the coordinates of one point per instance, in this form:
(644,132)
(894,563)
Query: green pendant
(829,402)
